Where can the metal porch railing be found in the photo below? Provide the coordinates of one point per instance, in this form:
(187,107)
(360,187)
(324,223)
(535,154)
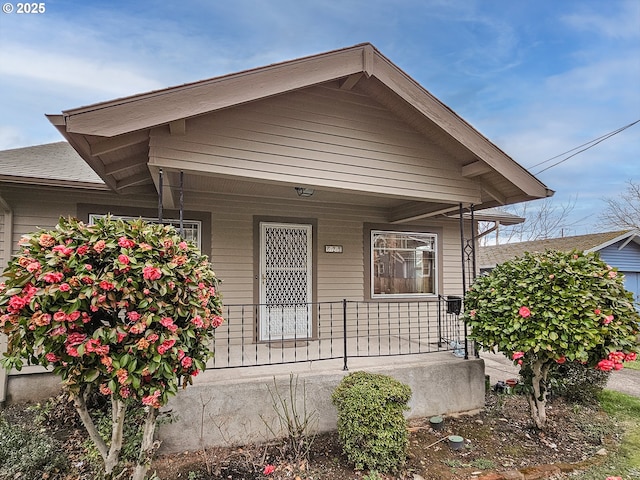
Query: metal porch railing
(255,335)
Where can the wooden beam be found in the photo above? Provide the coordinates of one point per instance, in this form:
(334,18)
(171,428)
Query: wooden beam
(133,180)
(429,214)
(121,141)
(493,193)
(350,82)
(368,60)
(475,169)
(115,167)
(416,210)
(178,127)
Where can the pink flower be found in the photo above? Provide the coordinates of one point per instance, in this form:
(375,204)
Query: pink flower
(151,273)
(217,320)
(517,355)
(34,267)
(123,259)
(183,245)
(46,240)
(105,285)
(597,311)
(561,360)
(186,362)
(617,357)
(125,392)
(197,321)
(133,316)
(152,400)
(122,375)
(52,277)
(126,243)
(166,321)
(630,357)
(99,246)
(88,267)
(524,312)
(614,478)
(105,390)
(56,332)
(268,469)
(165,346)
(612,274)
(82,249)
(76,338)
(153,337)
(605,365)
(51,357)
(72,351)
(64,287)
(607,320)
(63,250)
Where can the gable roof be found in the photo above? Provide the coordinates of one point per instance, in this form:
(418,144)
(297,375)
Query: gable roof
(113,137)
(49,164)
(493,255)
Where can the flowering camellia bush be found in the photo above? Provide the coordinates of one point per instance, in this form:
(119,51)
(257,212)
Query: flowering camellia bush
(128,308)
(551,308)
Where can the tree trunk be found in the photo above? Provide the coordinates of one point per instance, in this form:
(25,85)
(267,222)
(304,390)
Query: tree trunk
(147,447)
(538,398)
(118,411)
(87,421)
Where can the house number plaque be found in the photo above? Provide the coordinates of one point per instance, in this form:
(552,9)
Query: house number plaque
(333,249)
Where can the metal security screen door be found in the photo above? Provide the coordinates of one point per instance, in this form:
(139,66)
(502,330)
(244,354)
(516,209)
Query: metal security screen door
(285,281)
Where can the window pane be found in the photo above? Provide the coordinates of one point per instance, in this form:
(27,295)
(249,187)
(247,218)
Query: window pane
(403,263)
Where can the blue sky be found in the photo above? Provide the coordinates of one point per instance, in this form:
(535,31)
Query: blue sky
(538,78)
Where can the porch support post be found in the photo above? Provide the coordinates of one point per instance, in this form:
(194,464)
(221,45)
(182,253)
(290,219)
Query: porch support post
(160,188)
(464,280)
(473,262)
(344,333)
(181,203)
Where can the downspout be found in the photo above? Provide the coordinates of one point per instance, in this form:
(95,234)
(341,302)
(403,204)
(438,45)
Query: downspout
(7,243)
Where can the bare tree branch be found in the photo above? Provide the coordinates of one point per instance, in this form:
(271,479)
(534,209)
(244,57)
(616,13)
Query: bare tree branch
(623,212)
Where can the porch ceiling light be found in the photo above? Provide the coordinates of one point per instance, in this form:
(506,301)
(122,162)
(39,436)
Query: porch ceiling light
(304,191)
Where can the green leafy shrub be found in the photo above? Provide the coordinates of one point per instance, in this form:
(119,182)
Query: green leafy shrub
(552,308)
(577,382)
(371,423)
(27,454)
(126,308)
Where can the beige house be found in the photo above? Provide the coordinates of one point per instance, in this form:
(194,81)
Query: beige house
(335,196)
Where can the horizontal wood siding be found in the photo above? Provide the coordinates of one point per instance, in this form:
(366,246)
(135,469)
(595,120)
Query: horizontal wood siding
(338,276)
(320,136)
(626,260)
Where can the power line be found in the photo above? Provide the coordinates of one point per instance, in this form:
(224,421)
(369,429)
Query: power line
(587,146)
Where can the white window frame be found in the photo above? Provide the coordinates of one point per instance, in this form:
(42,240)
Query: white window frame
(434,269)
(194,225)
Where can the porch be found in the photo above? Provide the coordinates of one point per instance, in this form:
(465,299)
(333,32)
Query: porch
(304,355)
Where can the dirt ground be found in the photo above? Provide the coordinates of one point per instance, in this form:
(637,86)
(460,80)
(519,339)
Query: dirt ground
(501,437)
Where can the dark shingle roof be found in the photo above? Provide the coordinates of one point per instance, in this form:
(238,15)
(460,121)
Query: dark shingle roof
(49,164)
(493,255)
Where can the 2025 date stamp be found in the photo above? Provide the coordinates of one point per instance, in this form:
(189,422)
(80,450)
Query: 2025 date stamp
(24,8)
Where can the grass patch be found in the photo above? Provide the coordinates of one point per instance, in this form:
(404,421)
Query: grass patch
(632,365)
(625,462)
